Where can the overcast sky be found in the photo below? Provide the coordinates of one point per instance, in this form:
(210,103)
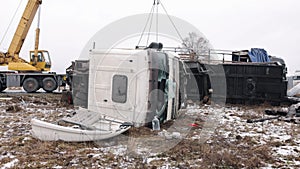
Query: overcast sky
(67,25)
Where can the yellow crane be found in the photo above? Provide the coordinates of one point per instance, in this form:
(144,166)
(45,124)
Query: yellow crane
(39,59)
(30,74)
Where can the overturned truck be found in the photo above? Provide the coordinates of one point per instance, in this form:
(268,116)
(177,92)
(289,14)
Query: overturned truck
(118,89)
(154,82)
(248,78)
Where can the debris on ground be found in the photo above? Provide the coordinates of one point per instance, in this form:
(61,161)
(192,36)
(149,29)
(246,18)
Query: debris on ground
(206,137)
(292,114)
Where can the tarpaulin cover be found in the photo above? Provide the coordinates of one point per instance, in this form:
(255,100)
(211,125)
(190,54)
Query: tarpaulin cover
(258,55)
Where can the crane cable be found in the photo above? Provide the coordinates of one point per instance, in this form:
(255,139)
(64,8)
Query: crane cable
(150,18)
(172,22)
(10,23)
(157,20)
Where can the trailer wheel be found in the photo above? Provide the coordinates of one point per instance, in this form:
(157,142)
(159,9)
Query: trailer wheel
(31,85)
(49,84)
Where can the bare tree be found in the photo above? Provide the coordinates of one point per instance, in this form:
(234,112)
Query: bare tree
(199,44)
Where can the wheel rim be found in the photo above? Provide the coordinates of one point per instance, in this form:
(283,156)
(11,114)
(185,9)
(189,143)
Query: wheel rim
(49,84)
(30,85)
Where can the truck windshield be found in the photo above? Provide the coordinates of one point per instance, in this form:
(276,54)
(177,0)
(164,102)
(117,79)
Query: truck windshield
(47,57)
(43,56)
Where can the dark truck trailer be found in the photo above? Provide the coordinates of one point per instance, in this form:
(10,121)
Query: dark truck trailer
(237,83)
(32,81)
(255,83)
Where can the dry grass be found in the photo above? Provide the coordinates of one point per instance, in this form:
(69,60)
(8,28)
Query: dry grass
(221,152)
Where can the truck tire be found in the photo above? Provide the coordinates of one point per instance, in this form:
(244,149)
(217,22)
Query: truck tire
(31,85)
(49,84)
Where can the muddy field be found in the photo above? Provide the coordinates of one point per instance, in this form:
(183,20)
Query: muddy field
(209,137)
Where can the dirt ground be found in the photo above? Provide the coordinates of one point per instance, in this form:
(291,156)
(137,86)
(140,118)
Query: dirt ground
(211,139)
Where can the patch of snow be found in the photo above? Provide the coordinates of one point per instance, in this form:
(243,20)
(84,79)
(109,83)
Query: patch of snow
(150,159)
(74,161)
(269,166)
(43,163)
(8,155)
(119,150)
(26,139)
(116,150)
(10,164)
(286,150)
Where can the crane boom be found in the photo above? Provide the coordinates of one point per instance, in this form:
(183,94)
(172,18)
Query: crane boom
(23,28)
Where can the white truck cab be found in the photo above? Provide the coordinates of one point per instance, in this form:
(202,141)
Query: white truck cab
(134,85)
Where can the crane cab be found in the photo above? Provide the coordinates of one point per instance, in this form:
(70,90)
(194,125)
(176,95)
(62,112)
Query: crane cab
(42,61)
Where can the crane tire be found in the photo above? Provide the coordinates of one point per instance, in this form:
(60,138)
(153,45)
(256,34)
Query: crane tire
(31,85)
(49,84)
